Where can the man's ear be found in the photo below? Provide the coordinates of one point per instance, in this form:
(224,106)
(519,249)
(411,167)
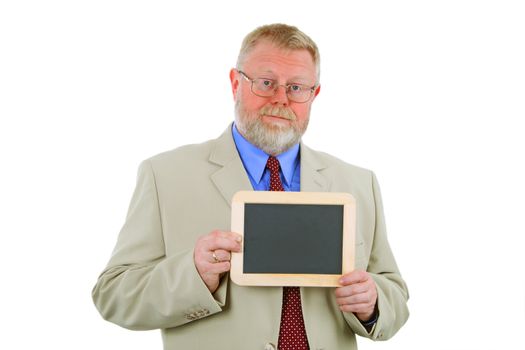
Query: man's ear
(317,90)
(234,80)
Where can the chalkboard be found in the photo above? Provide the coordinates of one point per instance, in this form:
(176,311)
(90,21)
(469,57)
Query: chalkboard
(292,234)
(293,238)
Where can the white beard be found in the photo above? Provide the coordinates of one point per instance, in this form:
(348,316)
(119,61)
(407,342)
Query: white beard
(273,139)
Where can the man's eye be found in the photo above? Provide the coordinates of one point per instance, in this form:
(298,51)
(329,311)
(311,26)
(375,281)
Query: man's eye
(295,88)
(264,84)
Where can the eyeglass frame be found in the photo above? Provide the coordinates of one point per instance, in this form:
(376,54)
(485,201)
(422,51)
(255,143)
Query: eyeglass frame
(286,87)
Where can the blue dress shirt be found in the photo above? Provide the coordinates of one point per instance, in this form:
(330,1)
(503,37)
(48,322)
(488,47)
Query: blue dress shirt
(254,161)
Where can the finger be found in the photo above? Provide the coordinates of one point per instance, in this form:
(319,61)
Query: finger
(360,298)
(355,300)
(224,244)
(220,255)
(217,268)
(219,242)
(356,276)
(208,246)
(357,308)
(351,290)
(226,234)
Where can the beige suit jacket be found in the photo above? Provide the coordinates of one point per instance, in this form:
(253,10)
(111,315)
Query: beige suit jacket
(151,281)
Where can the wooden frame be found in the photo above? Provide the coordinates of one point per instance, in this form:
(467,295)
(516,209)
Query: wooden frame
(315,198)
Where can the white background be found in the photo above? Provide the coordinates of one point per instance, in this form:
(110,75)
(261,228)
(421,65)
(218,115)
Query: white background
(428,94)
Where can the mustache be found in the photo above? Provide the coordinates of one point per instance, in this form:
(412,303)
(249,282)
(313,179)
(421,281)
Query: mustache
(276,111)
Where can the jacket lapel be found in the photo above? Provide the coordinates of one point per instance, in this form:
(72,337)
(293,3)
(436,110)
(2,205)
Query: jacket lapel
(231,177)
(311,178)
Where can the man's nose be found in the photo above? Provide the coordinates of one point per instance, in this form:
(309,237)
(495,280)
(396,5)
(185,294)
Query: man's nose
(280,97)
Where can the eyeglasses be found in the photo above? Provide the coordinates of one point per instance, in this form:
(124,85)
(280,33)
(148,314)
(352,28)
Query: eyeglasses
(263,87)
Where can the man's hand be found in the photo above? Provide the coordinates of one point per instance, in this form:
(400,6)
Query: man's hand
(212,255)
(358,294)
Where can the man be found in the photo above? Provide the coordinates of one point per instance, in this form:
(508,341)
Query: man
(169,269)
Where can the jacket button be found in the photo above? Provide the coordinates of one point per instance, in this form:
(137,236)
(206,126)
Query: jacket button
(269,346)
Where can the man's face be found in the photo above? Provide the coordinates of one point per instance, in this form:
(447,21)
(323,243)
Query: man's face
(274,123)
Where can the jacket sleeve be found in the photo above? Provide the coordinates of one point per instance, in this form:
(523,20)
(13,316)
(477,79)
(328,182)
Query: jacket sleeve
(143,289)
(392,292)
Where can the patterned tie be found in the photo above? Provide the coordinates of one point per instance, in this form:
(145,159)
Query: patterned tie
(292,334)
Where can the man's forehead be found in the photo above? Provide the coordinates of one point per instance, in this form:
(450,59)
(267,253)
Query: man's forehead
(266,49)
(266,57)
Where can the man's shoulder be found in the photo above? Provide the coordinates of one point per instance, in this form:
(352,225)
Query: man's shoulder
(198,152)
(190,152)
(330,162)
(343,176)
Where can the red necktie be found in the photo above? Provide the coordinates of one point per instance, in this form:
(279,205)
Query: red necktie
(292,334)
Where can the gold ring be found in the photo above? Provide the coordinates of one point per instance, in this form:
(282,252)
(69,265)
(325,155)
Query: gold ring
(215,258)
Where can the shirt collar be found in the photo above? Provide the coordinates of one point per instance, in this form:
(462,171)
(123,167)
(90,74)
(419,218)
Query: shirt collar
(254,159)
